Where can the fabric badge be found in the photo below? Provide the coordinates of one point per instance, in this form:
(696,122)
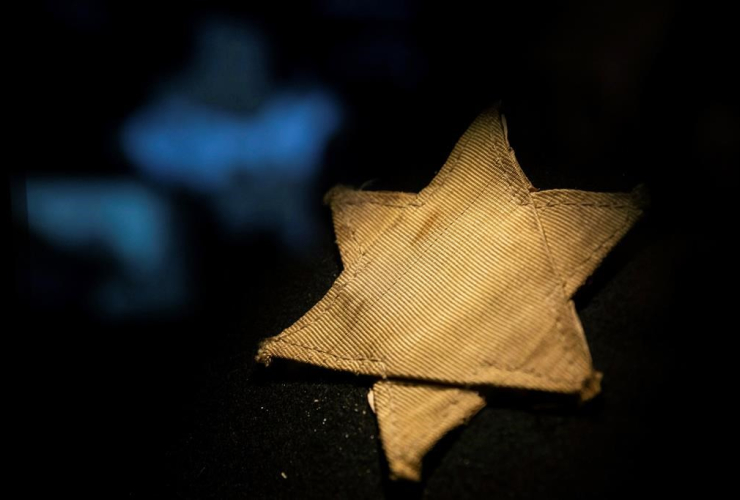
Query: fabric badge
(466,284)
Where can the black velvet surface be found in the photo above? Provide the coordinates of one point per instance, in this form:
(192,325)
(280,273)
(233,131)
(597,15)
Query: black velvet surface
(597,98)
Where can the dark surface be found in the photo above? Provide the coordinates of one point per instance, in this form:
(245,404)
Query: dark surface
(596,98)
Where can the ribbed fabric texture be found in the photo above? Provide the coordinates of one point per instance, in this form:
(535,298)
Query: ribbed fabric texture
(466,283)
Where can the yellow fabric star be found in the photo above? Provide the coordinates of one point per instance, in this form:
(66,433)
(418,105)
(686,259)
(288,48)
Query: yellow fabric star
(467,283)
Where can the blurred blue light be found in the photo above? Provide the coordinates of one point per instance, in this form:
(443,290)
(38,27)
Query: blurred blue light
(180,142)
(123,221)
(221,129)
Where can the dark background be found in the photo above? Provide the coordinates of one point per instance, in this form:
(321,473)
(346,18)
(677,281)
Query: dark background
(143,282)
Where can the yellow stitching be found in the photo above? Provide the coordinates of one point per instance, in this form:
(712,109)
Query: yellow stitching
(428,191)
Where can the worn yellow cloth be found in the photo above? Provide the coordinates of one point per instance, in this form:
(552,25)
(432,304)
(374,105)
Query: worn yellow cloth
(467,283)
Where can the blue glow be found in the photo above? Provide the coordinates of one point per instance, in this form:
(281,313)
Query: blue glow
(222,130)
(123,220)
(180,142)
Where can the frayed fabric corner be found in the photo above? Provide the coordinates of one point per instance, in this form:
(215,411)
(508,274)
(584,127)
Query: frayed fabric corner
(467,283)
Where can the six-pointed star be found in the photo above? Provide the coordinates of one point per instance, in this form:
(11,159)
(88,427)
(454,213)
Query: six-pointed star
(467,283)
